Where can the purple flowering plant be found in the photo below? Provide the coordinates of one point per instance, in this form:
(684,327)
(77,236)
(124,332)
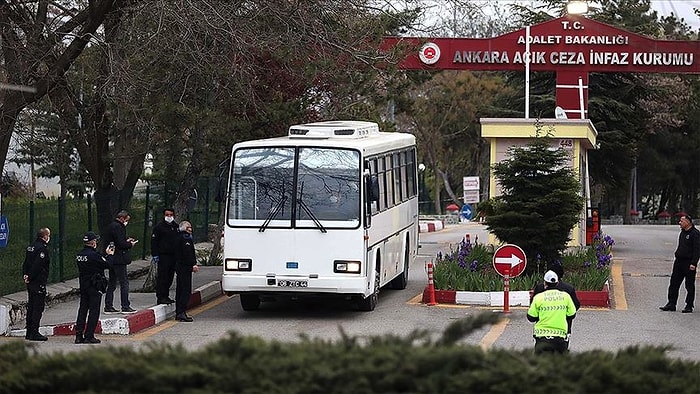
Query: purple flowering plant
(468,266)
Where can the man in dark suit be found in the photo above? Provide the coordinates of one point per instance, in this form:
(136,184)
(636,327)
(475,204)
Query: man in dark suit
(116,234)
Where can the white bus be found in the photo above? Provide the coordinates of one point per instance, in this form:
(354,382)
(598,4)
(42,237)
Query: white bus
(330,209)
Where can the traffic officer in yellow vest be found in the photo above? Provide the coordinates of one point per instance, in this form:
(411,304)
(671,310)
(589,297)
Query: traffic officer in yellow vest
(549,311)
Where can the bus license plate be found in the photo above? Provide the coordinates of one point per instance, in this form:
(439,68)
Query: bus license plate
(292,283)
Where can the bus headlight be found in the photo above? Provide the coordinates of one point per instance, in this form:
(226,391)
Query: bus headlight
(346,267)
(238,264)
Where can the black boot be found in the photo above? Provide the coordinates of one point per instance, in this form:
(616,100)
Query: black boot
(36,336)
(183,317)
(79,338)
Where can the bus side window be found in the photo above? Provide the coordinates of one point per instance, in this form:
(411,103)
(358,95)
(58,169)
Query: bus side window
(373,187)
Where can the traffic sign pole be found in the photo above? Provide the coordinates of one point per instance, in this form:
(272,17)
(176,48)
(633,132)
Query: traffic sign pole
(506,290)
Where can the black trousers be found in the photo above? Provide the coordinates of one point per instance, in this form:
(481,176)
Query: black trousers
(166,273)
(36,301)
(550,345)
(89,309)
(681,272)
(118,274)
(183,289)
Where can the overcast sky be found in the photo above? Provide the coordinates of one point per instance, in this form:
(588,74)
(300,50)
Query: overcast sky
(682,8)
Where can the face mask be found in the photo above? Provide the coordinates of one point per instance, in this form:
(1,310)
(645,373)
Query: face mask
(48,239)
(125,223)
(169,219)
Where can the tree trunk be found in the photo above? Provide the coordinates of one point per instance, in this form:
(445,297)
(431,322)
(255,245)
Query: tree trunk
(149,285)
(216,250)
(436,196)
(448,188)
(188,184)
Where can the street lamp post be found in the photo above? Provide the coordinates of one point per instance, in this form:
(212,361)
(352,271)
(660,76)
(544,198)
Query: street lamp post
(421,184)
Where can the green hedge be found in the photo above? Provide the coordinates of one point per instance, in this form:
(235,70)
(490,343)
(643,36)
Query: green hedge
(386,364)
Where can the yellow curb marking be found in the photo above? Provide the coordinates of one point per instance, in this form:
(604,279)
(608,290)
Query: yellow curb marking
(619,289)
(416,300)
(494,333)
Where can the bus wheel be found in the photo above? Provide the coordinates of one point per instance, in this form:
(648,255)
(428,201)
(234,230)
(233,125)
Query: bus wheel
(250,302)
(401,281)
(368,304)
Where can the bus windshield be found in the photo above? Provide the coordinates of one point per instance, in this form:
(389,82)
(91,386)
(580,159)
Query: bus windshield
(303,187)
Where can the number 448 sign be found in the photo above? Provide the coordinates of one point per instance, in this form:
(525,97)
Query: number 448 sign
(4,231)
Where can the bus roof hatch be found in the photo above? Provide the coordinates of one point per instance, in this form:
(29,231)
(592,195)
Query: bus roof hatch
(334,129)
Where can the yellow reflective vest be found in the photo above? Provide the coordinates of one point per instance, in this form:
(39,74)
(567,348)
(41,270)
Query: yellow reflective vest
(551,308)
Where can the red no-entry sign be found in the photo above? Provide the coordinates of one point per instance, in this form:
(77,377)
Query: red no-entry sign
(509,260)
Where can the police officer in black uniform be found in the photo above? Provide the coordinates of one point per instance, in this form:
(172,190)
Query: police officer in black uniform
(185,265)
(685,266)
(164,244)
(35,271)
(91,269)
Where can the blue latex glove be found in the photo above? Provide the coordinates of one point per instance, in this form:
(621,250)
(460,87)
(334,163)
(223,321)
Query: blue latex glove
(156,259)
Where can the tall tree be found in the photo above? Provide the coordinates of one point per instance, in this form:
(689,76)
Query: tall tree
(444,116)
(40,40)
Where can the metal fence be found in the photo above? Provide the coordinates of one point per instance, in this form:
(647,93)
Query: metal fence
(70,218)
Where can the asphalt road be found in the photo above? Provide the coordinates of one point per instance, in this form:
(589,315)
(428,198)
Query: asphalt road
(642,256)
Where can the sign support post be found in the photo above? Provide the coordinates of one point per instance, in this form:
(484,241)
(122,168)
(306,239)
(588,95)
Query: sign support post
(506,290)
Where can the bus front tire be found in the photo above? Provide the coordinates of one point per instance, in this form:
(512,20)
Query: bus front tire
(368,304)
(250,302)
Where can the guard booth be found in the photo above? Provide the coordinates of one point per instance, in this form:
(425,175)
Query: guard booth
(577,136)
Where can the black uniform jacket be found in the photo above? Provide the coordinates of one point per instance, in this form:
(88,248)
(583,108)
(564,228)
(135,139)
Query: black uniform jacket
(90,263)
(688,246)
(185,258)
(36,262)
(165,238)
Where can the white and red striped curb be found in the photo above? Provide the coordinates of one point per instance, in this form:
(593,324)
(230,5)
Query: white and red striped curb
(128,324)
(425,226)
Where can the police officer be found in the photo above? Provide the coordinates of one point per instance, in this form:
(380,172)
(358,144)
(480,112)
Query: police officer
(185,265)
(35,271)
(549,311)
(685,266)
(563,286)
(164,243)
(91,269)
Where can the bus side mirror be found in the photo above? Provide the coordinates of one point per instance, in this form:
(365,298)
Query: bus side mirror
(221,181)
(373,187)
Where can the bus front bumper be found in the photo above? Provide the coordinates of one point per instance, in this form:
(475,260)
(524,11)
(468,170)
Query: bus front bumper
(294,285)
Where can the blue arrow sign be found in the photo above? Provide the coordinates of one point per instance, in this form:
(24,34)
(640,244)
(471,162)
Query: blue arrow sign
(4,231)
(467,212)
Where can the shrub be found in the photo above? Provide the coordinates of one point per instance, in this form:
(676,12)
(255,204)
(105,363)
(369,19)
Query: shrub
(469,267)
(374,364)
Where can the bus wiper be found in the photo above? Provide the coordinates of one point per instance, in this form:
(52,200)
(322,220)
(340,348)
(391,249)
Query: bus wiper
(313,217)
(273,213)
